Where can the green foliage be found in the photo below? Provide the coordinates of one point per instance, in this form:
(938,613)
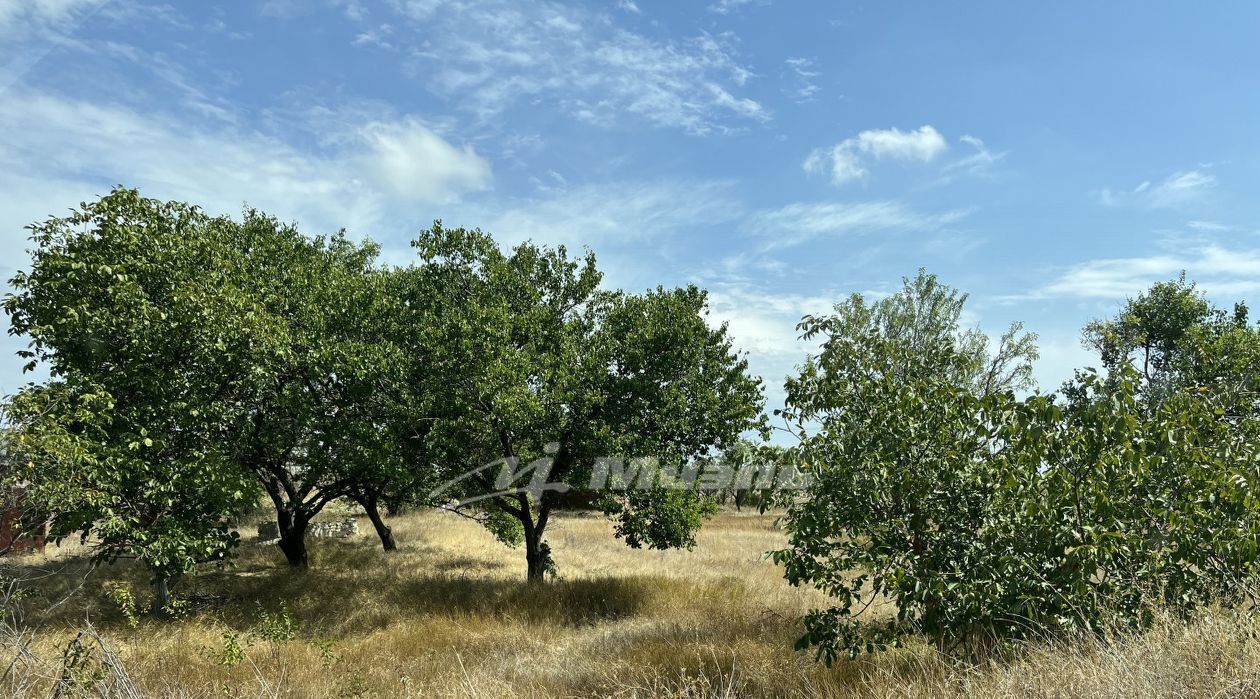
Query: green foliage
(125,303)
(926,316)
(277,626)
(984,519)
(534,353)
(1153,330)
(1177,340)
(232,652)
(196,359)
(123,598)
(659,518)
(506,528)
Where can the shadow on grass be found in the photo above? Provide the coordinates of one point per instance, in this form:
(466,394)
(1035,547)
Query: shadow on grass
(352,588)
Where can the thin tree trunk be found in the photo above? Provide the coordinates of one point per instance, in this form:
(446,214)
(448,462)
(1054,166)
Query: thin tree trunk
(537,552)
(370,505)
(161,596)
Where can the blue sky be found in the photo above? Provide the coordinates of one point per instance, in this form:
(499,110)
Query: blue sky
(1050,158)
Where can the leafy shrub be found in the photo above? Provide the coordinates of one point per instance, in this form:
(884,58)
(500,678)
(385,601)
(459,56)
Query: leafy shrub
(983,518)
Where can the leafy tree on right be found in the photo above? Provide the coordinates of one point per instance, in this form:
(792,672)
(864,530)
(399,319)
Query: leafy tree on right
(984,518)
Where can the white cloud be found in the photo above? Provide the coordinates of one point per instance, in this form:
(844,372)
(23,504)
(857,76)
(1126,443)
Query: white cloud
(30,30)
(1217,269)
(374,37)
(628,6)
(845,159)
(799,222)
(490,55)
(763,323)
(412,163)
(379,165)
(1177,190)
(56,152)
(1059,360)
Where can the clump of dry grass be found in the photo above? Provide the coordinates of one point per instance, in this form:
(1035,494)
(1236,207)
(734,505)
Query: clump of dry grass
(451,615)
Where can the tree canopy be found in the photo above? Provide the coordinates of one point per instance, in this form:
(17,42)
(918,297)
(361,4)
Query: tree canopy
(546,364)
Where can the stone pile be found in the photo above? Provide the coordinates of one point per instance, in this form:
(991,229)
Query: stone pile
(270,531)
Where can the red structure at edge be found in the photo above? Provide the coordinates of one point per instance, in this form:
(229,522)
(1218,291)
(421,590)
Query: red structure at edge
(12,536)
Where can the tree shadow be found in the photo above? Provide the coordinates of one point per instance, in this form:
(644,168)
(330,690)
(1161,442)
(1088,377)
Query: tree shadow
(569,602)
(352,588)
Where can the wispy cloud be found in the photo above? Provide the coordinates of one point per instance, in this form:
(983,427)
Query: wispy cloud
(1208,226)
(410,162)
(30,30)
(612,214)
(24,17)
(1176,190)
(372,167)
(725,7)
(1217,269)
(799,222)
(762,322)
(489,55)
(979,163)
(378,36)
(801,74)
(846,161)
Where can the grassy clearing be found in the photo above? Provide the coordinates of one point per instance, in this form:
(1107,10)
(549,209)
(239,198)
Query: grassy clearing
(449,614)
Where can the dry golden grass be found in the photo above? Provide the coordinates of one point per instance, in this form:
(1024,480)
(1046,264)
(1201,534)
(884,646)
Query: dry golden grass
(450,615)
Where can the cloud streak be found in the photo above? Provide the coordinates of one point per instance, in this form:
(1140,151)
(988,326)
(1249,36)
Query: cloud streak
(800,222)
(489,56)
(1175,191)
(847,160)
(1218,269)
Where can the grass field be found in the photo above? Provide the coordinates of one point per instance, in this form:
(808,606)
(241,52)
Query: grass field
(450,614)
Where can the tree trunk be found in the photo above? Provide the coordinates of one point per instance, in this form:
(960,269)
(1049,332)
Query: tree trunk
(537,554)
(161,596)
(293,538)
(382,530)
(535,560)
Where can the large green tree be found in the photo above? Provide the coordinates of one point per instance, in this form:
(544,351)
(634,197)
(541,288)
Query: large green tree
(127,306)
(318,415)
(545,364)
(242,345)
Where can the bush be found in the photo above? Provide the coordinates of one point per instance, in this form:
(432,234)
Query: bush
(985,519)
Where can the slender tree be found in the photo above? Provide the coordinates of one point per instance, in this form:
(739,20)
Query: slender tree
(1176,340)
(545,365)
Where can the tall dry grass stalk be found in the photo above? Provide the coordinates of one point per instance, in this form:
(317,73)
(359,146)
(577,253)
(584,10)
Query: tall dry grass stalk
(450,615)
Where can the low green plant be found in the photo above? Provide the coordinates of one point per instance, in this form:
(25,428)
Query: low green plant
(277,626)
(123,598)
